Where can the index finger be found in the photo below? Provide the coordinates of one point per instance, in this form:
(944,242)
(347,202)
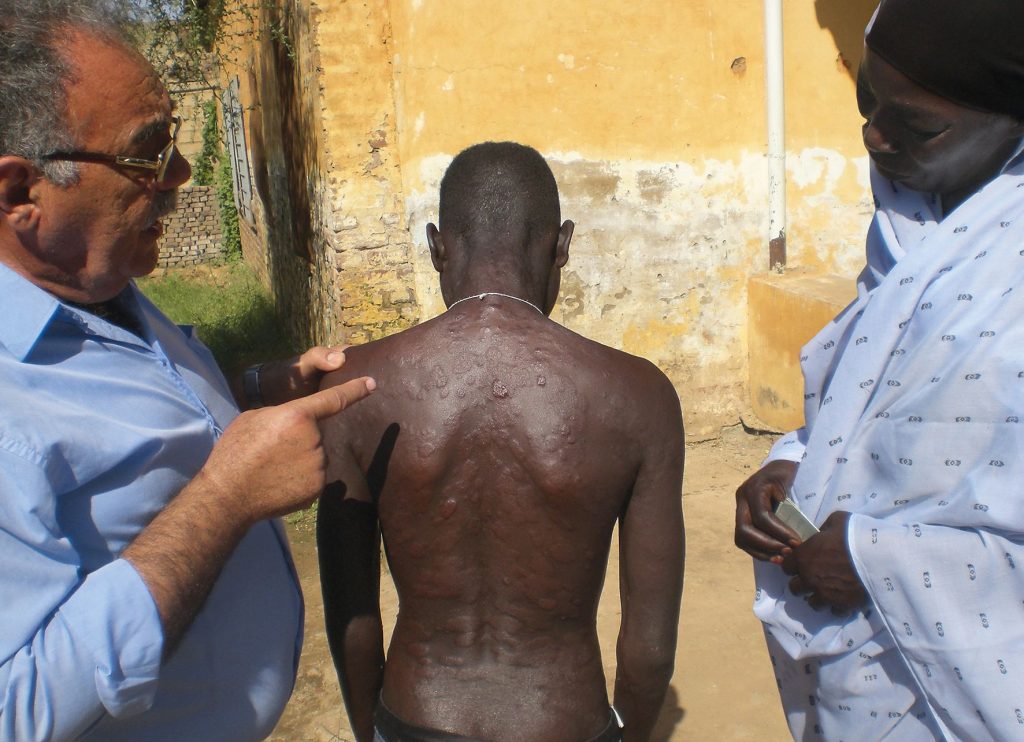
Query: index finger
(332,400)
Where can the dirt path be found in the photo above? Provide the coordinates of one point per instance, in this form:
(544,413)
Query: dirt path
(723,687)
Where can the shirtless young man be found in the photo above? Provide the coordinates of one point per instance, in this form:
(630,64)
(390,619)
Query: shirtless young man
(496,457)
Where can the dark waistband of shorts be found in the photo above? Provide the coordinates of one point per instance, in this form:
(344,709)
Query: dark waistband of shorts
(611,733)
(394,729)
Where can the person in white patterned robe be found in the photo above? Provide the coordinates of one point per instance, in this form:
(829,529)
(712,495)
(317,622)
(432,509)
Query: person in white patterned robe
(903,618)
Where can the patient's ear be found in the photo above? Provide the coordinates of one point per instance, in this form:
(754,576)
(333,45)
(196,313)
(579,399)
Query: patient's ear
(562,245)
(438,254)
(17,176)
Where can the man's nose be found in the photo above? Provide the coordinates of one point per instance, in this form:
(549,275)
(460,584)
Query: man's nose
(875,140)
(178,172)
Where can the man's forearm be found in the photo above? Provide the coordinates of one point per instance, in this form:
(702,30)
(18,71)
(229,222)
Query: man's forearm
(266,464)
(348,545)
(180,554)
(640,686)
(361,673)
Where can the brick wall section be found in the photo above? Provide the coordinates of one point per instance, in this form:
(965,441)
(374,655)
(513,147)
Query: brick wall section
(192,234)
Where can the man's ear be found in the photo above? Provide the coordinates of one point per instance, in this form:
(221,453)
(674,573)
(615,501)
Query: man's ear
(17,176)
(562,245)
(438,254)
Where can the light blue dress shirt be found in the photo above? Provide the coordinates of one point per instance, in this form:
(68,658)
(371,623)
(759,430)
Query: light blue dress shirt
(99,430)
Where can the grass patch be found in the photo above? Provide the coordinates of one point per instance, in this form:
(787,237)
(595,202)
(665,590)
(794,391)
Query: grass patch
(303,521)
(234,316)
(231,310)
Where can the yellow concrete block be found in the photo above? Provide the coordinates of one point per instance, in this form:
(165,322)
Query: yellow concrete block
(785,311)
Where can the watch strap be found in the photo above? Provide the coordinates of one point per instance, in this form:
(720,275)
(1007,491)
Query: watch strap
(251,386)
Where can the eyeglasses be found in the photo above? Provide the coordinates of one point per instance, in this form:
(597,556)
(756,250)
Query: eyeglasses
(159,166)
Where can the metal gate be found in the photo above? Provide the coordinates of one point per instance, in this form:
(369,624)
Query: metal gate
(234,132)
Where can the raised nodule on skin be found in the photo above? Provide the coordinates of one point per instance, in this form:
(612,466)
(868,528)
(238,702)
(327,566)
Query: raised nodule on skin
(498,512)
(448,508)
(439,377)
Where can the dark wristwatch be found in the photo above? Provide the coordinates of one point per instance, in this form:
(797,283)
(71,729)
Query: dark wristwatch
(251,386)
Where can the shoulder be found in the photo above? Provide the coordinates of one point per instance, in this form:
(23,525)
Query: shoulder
(656,393)
(641,376)
(631,383)
(375,358)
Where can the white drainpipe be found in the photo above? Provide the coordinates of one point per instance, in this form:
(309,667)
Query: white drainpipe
(776,106)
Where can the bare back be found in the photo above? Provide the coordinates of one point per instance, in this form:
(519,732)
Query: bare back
(502,448)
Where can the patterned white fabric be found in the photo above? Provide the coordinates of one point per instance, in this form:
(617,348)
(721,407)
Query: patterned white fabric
(915,422)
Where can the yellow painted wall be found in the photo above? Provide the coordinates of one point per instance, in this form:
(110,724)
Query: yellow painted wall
(652,116)
(784,313)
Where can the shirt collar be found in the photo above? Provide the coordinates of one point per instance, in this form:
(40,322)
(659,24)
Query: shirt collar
(33,310)
(28,310)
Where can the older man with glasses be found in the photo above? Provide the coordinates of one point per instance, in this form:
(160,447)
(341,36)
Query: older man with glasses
(146,591)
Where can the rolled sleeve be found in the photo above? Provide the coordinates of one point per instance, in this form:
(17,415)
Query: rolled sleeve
(113,614)
(72,649)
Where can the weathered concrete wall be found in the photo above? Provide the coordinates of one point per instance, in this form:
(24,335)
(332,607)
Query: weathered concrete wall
(652,116)
(373,291)
(785,312)
(328,204)
(188,105)
(192,233)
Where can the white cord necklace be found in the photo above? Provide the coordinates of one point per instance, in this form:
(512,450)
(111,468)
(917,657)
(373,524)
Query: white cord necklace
(495,293)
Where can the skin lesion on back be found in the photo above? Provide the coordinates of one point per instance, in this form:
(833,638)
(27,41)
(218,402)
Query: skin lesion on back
(499,486)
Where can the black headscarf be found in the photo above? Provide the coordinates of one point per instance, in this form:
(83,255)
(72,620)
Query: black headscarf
(968,51)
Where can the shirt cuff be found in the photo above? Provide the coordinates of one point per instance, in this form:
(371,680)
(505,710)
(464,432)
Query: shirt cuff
(113,614)
(789,447)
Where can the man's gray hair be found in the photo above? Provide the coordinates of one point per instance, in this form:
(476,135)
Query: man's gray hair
(34,73)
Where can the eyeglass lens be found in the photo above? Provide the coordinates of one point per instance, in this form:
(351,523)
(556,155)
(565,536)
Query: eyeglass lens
(167,154)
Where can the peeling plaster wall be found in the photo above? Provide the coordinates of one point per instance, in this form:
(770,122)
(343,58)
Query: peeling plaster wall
(280,112)
(330,237)
(372,283)
(652,117)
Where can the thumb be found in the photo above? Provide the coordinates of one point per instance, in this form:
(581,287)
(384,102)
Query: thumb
(324,359)
(329,402)
(837,520)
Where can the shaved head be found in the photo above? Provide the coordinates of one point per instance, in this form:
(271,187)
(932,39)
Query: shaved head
(499,193)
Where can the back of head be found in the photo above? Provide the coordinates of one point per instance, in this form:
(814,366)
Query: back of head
(967,51)
(33,73)
(499,194)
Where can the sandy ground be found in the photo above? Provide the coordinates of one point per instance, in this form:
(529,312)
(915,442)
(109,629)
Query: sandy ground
(723,687)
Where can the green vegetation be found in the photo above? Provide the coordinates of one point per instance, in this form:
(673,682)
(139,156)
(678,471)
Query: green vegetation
(202,168)
(212,168)
(188,40)
(233,314)
(231,237)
